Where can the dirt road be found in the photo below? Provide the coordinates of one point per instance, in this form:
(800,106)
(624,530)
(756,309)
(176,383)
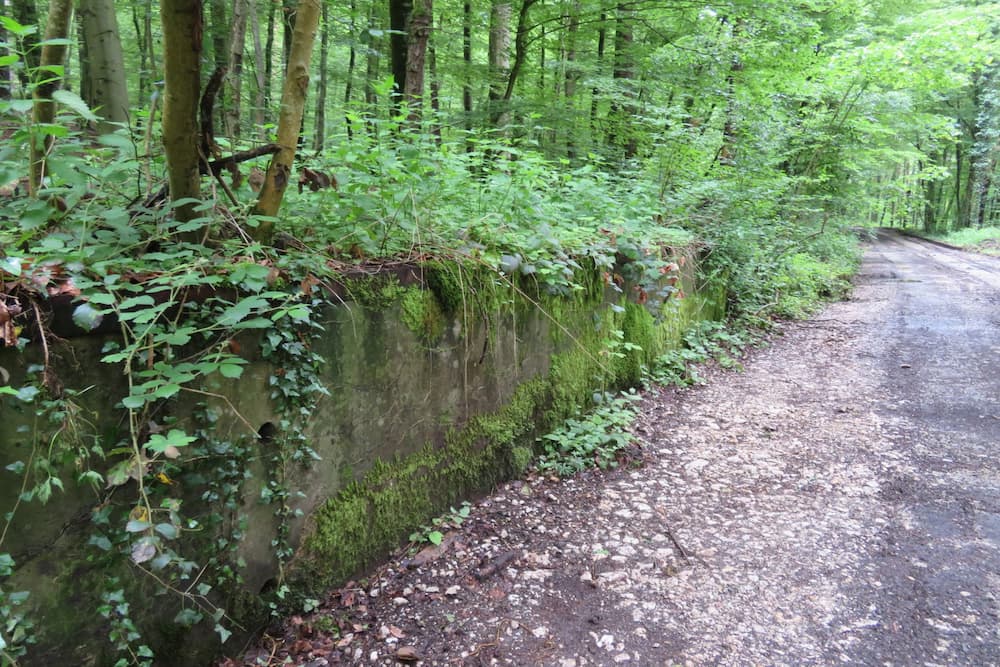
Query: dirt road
(838,502)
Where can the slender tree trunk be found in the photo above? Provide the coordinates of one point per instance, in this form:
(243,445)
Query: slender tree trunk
(268,60)
(44,108)
(416,58)
(467,69)
(237,45)
(83,58)
(621,131)
(293,99)
(107,91)
(371,62)
(26,13)
(288,17)
(319,131)
(499,59)
(352,59)
(571,76)
(520,49)
(260,73)
(435,93)
(221,29)
(399,18)
(182,44)
(595,93)
(5,72)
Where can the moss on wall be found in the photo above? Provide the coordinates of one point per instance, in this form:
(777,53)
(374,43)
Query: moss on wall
(593,347)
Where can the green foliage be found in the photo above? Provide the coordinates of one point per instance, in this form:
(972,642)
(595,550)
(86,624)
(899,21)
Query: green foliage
(452,519)
(705,341)
(983,239)
(594,440)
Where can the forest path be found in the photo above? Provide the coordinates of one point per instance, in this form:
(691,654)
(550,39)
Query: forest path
(838,502)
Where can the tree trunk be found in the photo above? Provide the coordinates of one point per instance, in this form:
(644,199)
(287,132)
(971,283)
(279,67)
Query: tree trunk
(435,93)
(620,131)
(352,60)
(467,68)
(371,61)
(5,72)
(26,13)
(499,59)
(416,59)
(293,99)
(571,76)
(319,130)
(260,73)
(399,17)
(520,50)
(44,108)
(237,44)
(182,43)
(595,93)
(268,61)
(107,91)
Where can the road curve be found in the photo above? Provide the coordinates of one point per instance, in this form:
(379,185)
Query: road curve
(837,503)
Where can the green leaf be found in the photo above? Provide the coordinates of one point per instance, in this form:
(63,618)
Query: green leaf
(223,633)
(188,617)
(168,530)
(86,317)
(435,537)
(136,402)
(101,542)
(27,393)
(15,28)
(135,526)
(175,438)
(231,370)
(11,265)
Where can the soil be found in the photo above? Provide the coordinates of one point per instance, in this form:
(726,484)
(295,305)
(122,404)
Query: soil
(837,502)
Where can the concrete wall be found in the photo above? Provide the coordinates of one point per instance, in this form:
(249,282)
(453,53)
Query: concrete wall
(433,396)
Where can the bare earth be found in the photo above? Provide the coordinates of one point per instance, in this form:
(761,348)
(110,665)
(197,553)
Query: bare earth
(838,502)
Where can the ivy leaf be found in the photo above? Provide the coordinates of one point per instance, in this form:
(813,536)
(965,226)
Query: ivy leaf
(223,633)
(188,617)
(435,537)
(143,551)
(168,530)
(86,317)
(136,526)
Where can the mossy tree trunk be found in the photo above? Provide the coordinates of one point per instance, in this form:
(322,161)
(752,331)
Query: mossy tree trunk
(48,78)
(293,102)
(182,41)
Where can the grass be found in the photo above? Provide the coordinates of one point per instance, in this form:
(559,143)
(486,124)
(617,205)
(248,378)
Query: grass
(983,239)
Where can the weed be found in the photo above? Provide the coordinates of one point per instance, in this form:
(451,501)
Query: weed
(592,440)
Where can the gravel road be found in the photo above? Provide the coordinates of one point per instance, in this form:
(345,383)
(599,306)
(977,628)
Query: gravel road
(838,502)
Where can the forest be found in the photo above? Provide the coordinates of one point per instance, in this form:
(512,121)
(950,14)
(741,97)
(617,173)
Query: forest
(233,148)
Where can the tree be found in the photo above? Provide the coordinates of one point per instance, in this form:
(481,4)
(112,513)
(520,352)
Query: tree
(293,101)
(48,78)
(418,32)
(182,45)
(107,89)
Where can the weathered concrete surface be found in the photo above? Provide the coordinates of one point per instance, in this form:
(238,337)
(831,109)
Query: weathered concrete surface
(837,503)
(405,385)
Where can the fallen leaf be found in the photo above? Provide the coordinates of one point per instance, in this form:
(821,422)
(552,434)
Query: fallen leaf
(407,654)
